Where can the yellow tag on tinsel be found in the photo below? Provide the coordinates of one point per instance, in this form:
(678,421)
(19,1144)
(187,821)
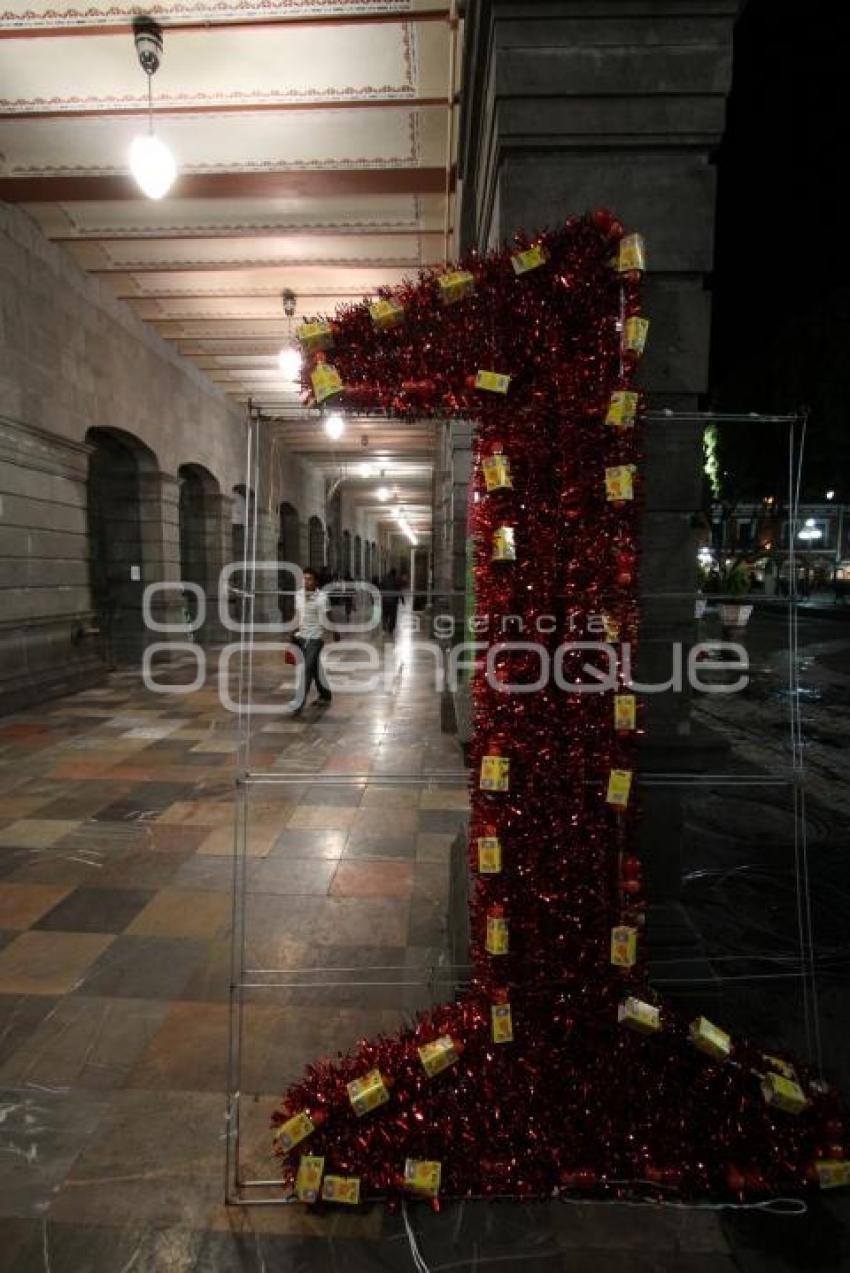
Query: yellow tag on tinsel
(438,1055)
(341,1189)
(618,483)
(781,1067)
(709,1038)
(504,544)
(308,1179)
(495,773)
(501,1023)
(635,332)
(530,259)
(294,1130)
(496,941)
(492,381)
(625,712)
(497,472)
(315,336)
(623,946)
(326,382)
(368,1092)
(612,628)
(622,409)
(619,787)
(832,1173)
(489,854)
(386,314)
(455,286)
(631,254)
(637,1015)
(784,1094)
(422,1176)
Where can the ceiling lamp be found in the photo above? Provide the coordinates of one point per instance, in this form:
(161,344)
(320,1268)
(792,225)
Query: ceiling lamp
(366,470)
(289,361)
(289,358)
(383,494)
(334,426)
(151,162)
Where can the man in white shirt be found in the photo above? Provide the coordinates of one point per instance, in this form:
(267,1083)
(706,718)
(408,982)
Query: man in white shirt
(311,613)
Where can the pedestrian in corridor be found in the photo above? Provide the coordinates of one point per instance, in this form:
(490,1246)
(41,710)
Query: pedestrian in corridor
(311,615)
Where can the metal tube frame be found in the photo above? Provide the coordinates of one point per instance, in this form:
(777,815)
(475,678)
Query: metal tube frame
(238,1189)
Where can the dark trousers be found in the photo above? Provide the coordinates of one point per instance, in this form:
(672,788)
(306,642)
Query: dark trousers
(312,669)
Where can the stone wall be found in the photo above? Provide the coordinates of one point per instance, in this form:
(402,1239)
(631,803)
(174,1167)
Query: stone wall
(100,421)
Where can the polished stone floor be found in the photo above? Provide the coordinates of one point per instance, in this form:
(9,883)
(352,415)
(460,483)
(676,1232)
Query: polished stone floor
(116,869)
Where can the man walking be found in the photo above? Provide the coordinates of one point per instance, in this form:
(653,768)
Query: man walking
(311,613)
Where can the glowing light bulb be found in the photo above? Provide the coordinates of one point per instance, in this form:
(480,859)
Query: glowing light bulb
(153,166)
(383,494)
(366,470)
(334,426)
(289,361)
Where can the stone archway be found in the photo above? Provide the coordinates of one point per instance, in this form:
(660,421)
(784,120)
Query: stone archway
(123,557)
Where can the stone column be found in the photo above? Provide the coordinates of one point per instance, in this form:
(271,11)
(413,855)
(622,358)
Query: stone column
(218,550)
(576,104)
(159,534)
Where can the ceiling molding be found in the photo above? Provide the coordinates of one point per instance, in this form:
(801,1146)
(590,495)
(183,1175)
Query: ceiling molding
(88,22)
(36,108)
(306,183)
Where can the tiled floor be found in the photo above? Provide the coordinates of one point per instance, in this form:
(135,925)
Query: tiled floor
(116,843)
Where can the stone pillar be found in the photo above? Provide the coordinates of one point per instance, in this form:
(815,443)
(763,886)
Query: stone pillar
(159,533)
(576,104)
(49,642)
(266,601)
(218,550)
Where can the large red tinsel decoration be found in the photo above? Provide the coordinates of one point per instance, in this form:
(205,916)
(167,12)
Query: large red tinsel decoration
(577,1102)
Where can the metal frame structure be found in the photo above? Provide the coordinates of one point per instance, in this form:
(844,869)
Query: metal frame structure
(242,1190)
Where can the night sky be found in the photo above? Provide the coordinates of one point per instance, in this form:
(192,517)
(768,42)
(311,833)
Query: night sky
(781,334)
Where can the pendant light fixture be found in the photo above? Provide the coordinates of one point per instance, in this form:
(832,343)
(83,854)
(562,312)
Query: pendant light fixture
(151,162)
(289,358)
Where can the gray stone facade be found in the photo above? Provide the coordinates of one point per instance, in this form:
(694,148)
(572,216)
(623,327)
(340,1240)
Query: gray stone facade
(572,105)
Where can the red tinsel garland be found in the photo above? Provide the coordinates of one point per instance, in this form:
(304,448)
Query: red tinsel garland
(576,1101)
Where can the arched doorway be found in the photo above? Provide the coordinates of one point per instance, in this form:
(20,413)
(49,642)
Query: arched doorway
(197,489)
(242,517)
(316,543)
(118,554)
(288,554)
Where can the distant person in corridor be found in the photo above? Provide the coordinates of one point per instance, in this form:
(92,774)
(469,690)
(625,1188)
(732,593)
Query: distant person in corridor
(311,615)
(390,598)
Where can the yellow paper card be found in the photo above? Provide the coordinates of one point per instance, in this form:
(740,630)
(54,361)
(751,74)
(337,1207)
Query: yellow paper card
(622,409)
(492,381)
(489,854)
(623,946)
(315,336)
(504,544)
(455,286)
(501,1023)
(422,1176)
(385,313)
(368,1092)
(438,1055)
(530,259)
(341,1189)
(496,940)
(619,485)
(619,787)
(625,711)
(632,253)
(497,472)
(495,773)
(640,1016)
(326,382)
(308,1179)
(294,1130)
(635,332)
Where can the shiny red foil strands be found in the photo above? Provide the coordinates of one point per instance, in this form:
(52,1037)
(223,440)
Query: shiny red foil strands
(576,1102)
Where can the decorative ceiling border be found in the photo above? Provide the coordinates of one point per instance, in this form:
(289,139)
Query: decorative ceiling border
(201,9)
(267,165)
(89,231)
(22,106)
